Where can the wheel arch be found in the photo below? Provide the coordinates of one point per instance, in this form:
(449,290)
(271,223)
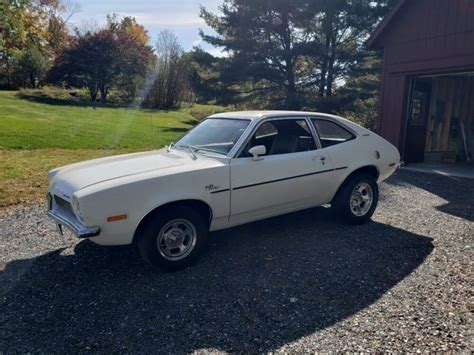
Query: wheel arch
(367,169)
(202,207)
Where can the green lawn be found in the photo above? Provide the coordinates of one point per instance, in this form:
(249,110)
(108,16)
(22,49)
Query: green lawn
(47,123)
(40,133)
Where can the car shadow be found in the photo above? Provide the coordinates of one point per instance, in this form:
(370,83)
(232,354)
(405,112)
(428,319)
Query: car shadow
(257,287)
(445,187)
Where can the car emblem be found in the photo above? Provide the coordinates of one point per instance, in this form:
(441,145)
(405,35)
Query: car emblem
(212,187)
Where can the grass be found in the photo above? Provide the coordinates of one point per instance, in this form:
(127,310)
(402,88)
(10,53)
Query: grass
(38,133)
(38,123)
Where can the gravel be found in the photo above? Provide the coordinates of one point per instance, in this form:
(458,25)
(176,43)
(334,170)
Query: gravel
(296,283)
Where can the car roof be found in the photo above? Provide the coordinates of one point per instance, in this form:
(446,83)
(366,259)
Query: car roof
(259,115)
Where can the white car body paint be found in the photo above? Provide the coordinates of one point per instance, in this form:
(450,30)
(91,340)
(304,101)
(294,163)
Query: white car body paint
(237,190)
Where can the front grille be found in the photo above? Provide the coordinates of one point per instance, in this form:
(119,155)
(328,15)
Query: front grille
(63,205)
(63,214)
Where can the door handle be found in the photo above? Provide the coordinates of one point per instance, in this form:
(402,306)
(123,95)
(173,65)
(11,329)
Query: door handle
(319,158)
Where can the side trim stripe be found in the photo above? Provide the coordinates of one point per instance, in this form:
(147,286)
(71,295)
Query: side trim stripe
(216,192)
(289,178)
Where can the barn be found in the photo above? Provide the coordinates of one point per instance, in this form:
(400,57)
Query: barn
(427,96)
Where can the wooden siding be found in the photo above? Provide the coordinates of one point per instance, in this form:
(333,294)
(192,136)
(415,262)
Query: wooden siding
(424,37)
(395,86)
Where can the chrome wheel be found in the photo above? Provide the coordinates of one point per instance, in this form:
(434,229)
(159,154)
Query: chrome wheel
(362,198)
(176,239)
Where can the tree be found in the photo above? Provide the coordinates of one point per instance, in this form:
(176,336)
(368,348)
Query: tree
(31,66)
(102,60)
(358,98)
(338,30)
(27,24)
(58,14)
(260,36)
(293,53)
(205,78)
(169,72)
(19,28)
(90,61)
(135,55)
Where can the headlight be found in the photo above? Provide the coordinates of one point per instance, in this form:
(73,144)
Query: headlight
(76,207)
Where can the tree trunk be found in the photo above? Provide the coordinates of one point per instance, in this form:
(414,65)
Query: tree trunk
(332,58)
(292,101)
(93,92)
(103,93)
(324,68)
(8,72)
(32,80)
(328,34)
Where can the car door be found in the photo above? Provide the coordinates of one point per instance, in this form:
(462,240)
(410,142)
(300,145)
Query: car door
(339,144)
(291,175)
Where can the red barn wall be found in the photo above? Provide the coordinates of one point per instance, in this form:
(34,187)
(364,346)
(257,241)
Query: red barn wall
(424,37)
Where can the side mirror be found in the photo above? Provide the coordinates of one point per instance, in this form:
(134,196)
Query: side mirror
(257,151)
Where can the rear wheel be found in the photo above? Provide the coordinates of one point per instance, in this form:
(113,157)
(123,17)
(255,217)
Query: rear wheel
(357,199)
(173,239)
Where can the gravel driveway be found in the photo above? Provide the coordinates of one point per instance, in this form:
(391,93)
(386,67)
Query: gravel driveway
(300,282)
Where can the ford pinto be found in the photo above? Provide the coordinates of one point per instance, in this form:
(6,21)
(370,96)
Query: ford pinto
(231,169)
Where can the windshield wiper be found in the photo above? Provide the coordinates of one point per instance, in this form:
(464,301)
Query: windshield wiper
(209,150)
(192,148)
(191,152)
(189,149)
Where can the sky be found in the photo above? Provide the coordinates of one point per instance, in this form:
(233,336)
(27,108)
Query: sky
(179,16)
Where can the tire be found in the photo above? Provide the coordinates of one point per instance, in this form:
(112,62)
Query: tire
(173,239)
(356,209)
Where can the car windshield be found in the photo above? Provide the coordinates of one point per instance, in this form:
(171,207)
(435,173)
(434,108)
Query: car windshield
(217,135)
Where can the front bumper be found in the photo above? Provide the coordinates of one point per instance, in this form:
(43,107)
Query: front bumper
(64,219)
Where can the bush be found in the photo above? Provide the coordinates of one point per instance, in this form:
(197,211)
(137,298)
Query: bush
(72,95)
(55,93)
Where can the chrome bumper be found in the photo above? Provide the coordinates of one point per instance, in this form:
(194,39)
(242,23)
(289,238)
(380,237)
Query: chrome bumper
(78,229)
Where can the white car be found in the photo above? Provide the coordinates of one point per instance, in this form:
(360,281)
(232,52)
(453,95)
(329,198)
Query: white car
(231,169)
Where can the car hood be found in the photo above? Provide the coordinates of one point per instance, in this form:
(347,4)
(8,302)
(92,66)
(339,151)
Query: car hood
(74,177)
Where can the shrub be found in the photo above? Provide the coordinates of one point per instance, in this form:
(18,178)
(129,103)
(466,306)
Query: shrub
(55,93)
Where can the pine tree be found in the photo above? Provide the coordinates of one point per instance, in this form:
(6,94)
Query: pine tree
(292,53)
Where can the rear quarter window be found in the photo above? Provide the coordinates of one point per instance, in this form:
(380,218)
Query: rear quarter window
(331,133)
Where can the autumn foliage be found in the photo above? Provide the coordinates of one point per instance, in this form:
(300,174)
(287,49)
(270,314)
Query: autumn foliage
(117,56)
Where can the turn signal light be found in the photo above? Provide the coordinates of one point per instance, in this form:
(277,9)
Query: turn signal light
(116,218)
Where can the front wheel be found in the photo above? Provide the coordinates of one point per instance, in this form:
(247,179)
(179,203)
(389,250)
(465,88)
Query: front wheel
(357,199)
(173,239)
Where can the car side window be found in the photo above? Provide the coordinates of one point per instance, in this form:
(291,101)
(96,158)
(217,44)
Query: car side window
(282,137)
(331,133)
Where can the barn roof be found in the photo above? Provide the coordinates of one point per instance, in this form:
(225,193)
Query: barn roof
(373,41)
